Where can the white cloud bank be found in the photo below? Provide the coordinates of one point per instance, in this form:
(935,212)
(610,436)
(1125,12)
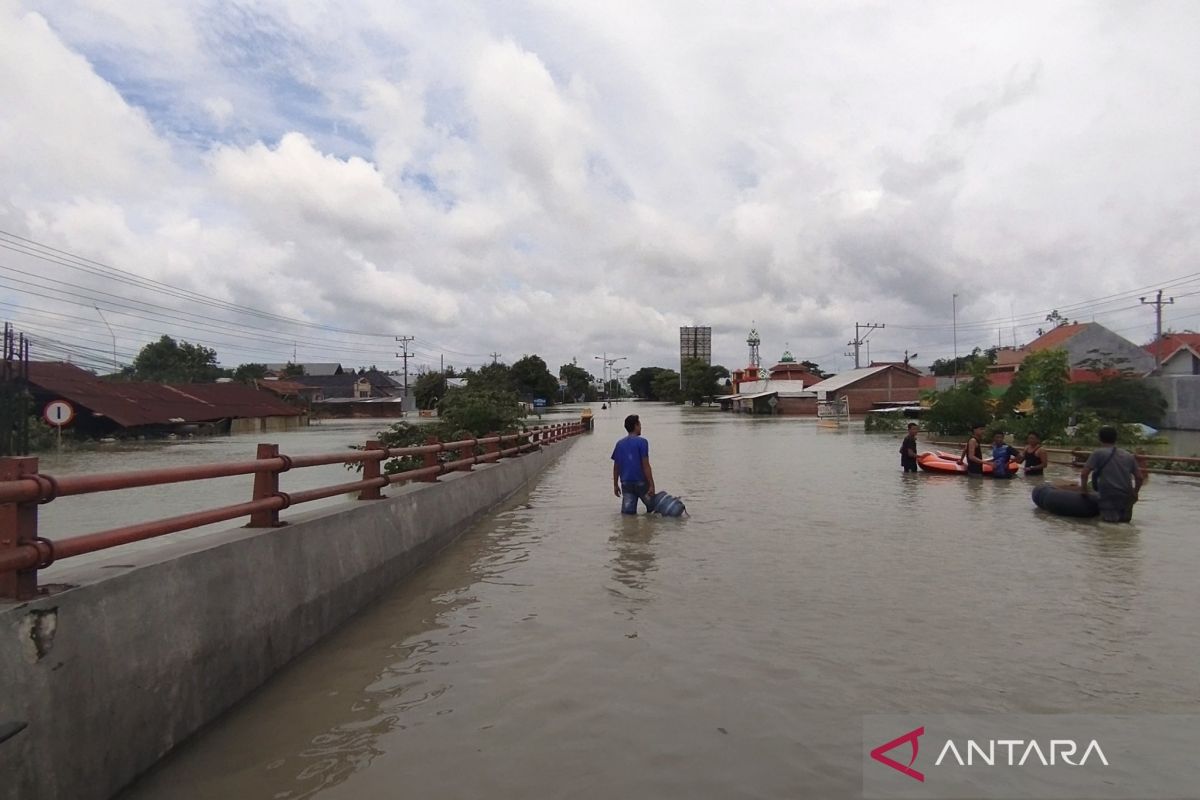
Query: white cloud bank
(572,178)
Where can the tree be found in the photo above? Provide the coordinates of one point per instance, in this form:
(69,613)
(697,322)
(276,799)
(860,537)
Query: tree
(480,410)
(1118,394)
(1043,378)
(956,410)
(494,376)
(946,366)
(248,373)
(532,378)
(291,370)
(580,382)
(812,367)
(701,381)
(641,383)
(666,386)
(168,361)
(429,389)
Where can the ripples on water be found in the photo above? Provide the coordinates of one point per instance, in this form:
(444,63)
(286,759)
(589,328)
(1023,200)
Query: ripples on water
(561,650)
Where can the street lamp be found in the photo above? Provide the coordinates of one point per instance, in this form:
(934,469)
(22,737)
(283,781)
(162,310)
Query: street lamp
(116,367)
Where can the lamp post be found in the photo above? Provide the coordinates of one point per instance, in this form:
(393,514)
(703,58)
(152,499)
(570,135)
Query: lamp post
(954,301)
(116,366)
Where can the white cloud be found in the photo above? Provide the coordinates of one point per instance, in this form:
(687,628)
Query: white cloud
(568,177)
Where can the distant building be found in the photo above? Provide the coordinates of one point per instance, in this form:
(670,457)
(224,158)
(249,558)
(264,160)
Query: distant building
(317,369)
(695,343)
(108,407)
(1179,353)
(1082,342)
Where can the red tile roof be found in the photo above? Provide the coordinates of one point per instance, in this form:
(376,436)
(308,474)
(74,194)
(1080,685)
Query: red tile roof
(1055,338)
(130,404)
(1170,344)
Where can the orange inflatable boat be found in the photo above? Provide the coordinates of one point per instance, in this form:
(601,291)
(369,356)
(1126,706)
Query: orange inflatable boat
(947,463)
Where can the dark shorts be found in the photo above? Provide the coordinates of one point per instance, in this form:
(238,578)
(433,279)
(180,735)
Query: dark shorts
(909,464)
(1116,507)
(631,493)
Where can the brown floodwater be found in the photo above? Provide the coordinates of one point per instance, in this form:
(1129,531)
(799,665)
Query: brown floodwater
(560,650)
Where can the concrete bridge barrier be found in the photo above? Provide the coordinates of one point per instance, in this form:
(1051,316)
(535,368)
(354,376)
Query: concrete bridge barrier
(101,680)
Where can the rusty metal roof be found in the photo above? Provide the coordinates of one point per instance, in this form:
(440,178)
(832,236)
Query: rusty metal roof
(131,404)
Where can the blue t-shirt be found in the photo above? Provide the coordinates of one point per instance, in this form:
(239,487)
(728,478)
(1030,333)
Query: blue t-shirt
(1001,455)
(628,454)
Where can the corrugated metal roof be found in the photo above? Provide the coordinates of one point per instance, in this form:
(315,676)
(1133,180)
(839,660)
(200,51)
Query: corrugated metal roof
(130,403)
(844,379)
(326,368)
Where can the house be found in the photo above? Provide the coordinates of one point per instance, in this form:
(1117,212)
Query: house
(862,389)
(321,369)
(293,390)
(1083,342)
(367,385)
(104,408)
(867,388)
(1178,378)
(1177,353)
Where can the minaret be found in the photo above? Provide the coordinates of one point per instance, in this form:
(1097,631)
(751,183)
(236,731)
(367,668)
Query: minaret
(755,362)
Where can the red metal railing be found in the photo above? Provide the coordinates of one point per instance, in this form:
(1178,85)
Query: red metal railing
(23,489)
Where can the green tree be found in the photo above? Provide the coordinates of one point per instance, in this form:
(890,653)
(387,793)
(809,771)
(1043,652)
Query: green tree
(532,378)
(666,386)
(1118,393)
(429,388)
(168,361)
(580,382)
(701,381)
(494,376)
(946,366)
(641,383)
(291,370)
(954,411)
(480,410)
(812,367)
(1043,379)
(248,373)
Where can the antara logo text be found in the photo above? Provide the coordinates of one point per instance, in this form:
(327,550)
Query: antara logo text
(991,753)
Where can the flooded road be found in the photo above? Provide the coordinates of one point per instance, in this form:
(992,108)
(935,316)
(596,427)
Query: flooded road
(561,650)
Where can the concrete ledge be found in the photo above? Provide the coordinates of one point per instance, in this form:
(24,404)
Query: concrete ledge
(113,673)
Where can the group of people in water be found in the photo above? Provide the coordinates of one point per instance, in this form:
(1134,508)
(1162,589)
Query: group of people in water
(1115,476)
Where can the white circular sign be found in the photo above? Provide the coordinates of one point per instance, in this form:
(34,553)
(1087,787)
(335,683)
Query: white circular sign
(58,413)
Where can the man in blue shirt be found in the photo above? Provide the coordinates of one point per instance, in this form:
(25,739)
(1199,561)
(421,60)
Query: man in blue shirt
(632,476)
(1001,455)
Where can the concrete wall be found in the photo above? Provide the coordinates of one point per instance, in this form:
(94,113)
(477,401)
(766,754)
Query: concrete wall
(1183,400)
(144,649)
(1096,341)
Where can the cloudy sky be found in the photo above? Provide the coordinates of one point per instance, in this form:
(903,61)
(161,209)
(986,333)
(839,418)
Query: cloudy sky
(571,178)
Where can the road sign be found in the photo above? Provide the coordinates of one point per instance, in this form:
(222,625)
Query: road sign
(58,413)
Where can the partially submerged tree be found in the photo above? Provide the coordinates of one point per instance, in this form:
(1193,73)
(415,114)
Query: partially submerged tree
(168,361)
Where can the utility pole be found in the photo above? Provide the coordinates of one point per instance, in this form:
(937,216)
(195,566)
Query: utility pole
(404,340)
(494,357)
(859,340)
(954,311)
(1158,304)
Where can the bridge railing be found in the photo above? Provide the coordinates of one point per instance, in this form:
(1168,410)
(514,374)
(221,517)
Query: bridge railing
(23,489)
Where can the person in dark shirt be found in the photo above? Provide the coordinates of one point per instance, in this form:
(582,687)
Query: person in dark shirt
(908,449)
(1116,475)
(973,452)
(1034,455)
(632,477)
(1001,455)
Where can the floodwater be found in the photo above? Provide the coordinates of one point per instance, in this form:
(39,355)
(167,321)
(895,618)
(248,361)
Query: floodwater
(559,650)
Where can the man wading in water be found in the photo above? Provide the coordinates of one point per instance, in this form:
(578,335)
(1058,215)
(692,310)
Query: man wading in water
(632,477)
(1116,475)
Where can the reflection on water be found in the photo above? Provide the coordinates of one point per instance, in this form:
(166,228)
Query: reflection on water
(562,650)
